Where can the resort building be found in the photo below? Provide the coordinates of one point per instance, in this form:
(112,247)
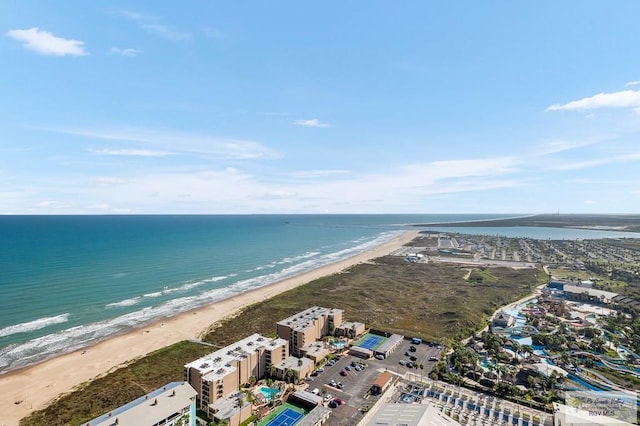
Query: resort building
(389,345)
(170,405)
(503,319)
(350,329)
(222,372)
(389,414)
(588,295)
(232,409)
(382,383)
(300,368)
(308,326)
(315,351)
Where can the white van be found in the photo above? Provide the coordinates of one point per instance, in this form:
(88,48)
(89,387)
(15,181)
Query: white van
(316,391)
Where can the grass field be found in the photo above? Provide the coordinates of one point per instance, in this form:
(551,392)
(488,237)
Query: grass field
(431,301)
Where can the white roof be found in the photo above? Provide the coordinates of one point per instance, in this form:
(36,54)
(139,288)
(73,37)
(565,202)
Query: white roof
(410,415)
(220,363)
(590,291)
(151,408)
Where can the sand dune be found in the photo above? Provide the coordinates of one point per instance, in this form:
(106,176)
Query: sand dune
(35,386)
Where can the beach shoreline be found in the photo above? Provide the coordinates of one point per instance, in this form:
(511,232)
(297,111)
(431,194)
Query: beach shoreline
(31,388)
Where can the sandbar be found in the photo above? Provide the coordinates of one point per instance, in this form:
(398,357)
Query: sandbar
(34,387)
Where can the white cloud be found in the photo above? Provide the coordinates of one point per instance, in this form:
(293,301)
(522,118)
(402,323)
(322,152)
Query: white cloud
(132,152)
(314,122)
(598,162)
(166,32)
(622,99)
(45,43)
(110,181)
(632,83)
(312,174)
(153,25)
(124,51)
(560,145)
(178,142)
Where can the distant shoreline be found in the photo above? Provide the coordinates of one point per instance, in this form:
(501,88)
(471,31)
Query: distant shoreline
(628,223)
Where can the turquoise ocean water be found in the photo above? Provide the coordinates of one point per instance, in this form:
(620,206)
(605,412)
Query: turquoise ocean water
(69,281)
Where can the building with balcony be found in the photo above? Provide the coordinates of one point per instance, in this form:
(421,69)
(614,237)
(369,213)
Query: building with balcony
(308,326)
(172,404)
(223,372)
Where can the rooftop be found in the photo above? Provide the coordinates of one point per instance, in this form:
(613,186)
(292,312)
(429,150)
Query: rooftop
(608,295)
(304,319)
(219,363)
(410,415)
(151,408)
(228,406)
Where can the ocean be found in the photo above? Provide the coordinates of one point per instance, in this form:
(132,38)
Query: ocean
(67,282)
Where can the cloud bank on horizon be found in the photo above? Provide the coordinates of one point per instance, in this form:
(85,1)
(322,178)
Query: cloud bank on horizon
(309,108)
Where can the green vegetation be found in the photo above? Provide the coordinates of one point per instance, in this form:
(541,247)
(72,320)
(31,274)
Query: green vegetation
(431,301)
(138,378)
(482,275)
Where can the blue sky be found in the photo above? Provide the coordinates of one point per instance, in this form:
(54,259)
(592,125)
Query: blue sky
(324,107)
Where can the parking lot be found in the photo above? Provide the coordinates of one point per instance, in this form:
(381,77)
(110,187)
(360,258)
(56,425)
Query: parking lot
(423,353)
(355,384)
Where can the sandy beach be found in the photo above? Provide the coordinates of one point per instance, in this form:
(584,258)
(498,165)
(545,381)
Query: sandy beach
(32,388)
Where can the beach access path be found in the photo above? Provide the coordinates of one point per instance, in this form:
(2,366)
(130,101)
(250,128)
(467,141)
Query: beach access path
(33,388)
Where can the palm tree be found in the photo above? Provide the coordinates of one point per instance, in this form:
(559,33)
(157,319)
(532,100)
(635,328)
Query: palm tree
(271,370)
(290,376)
(516,348)
(527,349)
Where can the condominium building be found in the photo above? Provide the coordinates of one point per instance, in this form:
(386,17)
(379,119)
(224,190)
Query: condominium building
(222,372)
(172,404)
(308,326)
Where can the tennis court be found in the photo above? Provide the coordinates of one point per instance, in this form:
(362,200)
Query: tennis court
(370,341)
(288,415)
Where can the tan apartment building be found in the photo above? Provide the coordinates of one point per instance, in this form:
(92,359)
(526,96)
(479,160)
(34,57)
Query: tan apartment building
(222,372)
(171,405)
(308,326)
(350,329)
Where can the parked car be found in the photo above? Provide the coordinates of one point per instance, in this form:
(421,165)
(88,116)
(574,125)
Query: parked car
(401,362)
(343,373)
(340,385)
(333,404)
(410,365)
(328,397)
(433,358)
(413,358)
(338,401)
(412,348)
(347,368)
(380,357)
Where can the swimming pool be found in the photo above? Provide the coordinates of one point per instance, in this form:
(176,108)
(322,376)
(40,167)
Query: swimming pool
(269,393)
